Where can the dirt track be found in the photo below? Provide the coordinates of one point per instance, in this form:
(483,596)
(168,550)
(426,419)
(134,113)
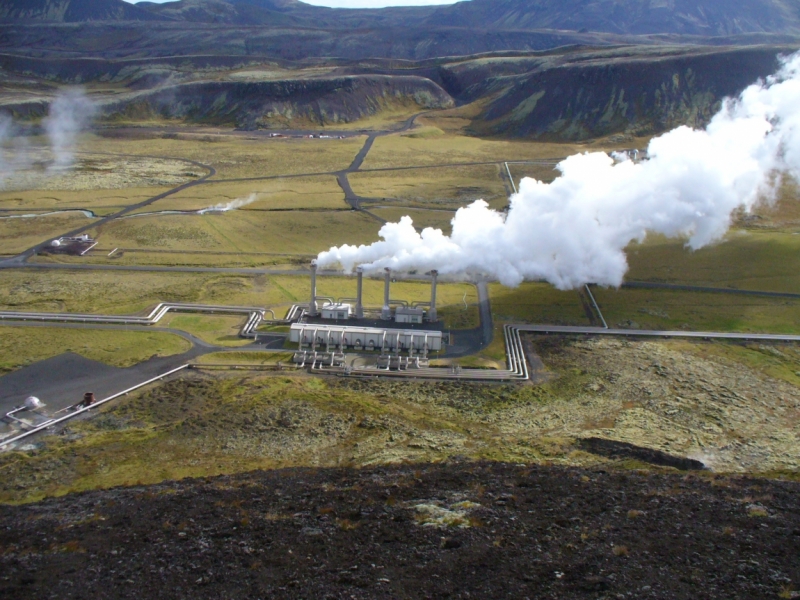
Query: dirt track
(454,530)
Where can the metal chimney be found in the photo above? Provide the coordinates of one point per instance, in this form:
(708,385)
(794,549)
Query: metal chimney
(312,306)
(432,312)
(359,290)
(386,312)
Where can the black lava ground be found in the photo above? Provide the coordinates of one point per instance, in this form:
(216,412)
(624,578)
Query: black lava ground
(539,532)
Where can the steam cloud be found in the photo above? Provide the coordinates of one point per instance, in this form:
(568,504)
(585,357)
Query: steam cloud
(6,126)
(232,205)
(14,154)
(574,230)
(70,113)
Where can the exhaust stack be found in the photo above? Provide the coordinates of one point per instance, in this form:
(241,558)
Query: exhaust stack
(359,290)
(386,312)
(312,306)
(432,312)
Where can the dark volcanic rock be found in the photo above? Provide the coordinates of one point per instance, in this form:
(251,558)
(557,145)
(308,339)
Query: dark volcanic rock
(614,449)
(457,530)
(322,101)
(640,94)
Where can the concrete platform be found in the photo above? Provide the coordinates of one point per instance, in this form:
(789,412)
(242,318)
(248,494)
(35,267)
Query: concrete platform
(62,380)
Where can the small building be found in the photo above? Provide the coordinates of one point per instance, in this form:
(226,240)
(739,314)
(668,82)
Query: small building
(403,314)
(336,311)
(76,246)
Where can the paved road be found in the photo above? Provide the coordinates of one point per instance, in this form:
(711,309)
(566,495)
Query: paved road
(21,259)
(350,196)
(196,341)
(155,268)
(706,289)
(353,199)
(62,380)
(709,335)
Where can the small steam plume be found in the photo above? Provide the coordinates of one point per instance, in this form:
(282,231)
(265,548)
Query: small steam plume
(14,151)
(70,113)
(232,205)
(574,230)
(6,131)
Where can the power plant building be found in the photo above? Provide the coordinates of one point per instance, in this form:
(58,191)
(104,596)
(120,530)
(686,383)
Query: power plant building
(408,315)
(400,344)
(324,338)
(336,311)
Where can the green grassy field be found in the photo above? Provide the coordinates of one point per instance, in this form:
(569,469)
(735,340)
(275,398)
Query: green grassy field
(101,201)
(241,231)
(220,330)
(438,219)
(751,259)
(295,218)
(241,156)
(245,358)
(647,309)
(666,309)
(404,149)
(228,424)
(179,258)
(128,292)
(271,194)
(534,302)
(21,346)
(544,173)
(103,292)
(17,235)
(446,187)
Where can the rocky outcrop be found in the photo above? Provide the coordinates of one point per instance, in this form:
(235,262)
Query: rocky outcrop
(278,104)
(456,529)
(639,95)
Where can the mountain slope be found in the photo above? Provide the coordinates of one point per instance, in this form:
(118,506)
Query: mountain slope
(601,94)
(225,12)
(73,11)
(693,17)
(639,17)
(278,104)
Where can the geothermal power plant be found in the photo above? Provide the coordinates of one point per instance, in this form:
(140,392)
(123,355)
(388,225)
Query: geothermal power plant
(404,333)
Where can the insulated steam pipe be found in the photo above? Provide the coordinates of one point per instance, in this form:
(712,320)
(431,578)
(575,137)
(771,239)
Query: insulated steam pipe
(359,293)
(597,308)
(312,306)
(432,312)
(4,443)
(386,312)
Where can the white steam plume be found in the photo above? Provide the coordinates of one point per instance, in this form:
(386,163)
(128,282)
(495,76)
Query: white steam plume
(6,131)
(233,204)
(574,230)
(70,113)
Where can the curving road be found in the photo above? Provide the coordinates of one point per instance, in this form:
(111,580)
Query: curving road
(353,199)
(22,258)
